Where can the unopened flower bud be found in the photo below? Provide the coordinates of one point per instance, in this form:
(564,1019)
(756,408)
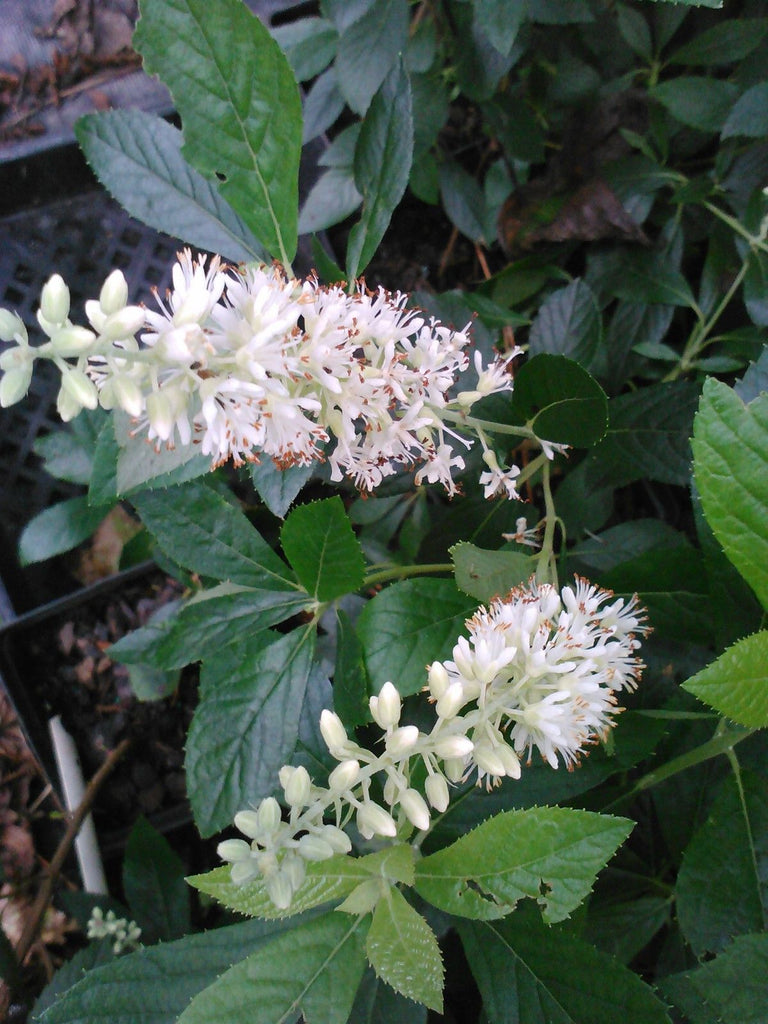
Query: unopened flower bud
(54,300)
(386,707)
(438,679)
(12,327)
(510,760)
(334,733)
(247,822)
(402,740)
(295,869)
(437,792)
(486,757)
(80,389)
(451,702)
(72,341)
(160,414)
(96,315)
(234,850)
(114,293)
(415,807)
(124,323)
(391,789)
(244,871)
(312,847)
(453,747)
(128,395)
(66,406)
(298,788)
(375,819)
(14,385)
(454,768)
(280,891)
(344,776)
(269,815)
(337,838)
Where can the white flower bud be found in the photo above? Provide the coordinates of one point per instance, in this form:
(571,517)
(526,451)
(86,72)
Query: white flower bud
(451,702)
(54,300)
(160,414)
(114,293)
(124,323)
(373,818)
(454,768)
(438,679)
(402,740)
(337,838)
(269,815)
(14,385)
(312,847)
(391,789)
(510,760)
(12,327)
(294,869)
(80,389)
(415,807)
(453,747)
(344,776)
(234,850)
(486,758)
(247,822)
(128,395)
(96,315)
(437,792)
(298,789)
(17,357)
(72,341)
(66,406)
(244,871)
(193,308)
(280,891)
(386,707)
(334,733)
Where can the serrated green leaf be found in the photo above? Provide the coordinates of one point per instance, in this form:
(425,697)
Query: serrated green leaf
(140,466)
(732,989)
(313,969)
(155,984)
(350,683)
(749,115)
(648,277)
(698,102)
(68,453)
(618,544)
(239,106)
(102,489)
(529,973)
(322,105)
(137,157)
(408,626)
(95,954)
(383,156)
(403,950)
(732,847)
(278,488)
(487,574)
(725,43)
(202,531)
(730,448)
(568,324)
(560,401)
(736,684)
(59,528)
(368,49)
(154,886)
(210,621)
(550,854)
(246,727)
(319,543)
(623,929)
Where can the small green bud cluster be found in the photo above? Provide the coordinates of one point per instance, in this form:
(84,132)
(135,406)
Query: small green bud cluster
(125,934)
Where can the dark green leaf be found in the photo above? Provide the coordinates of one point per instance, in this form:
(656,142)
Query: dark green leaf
(479,64)
(648,277)
(430,105)
(399,939)
(154,886)
(725,43)
(756,288)
(549,854)
(635,31)
(487,574)
(138,158)
(702,103)
(68,454)
(309,44)
(140,466)
(368,50)
(313,969)
(732,989)
(319,543)
(239,105)
(322,105)
(568,323)
(538,975)
(604,551)
(59,528)
(500,20)
(749,115)
(350,683)
(408,626)
(732,847)
(278,488)
(382,165)
(463,200)
(202,531)
(730,454)
(560,401)
(71,972)
(332,198)
(103,482)
(623,929)
(246,726)
(377,1003)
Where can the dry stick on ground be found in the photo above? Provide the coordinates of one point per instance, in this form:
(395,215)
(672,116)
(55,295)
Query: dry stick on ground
(40,905)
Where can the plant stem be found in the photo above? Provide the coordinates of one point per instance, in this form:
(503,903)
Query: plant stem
(493,428)
(755,242)
(401,572)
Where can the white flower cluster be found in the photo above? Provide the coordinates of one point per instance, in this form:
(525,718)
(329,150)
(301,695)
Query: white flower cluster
(249,362)
(125,934)
(540,669)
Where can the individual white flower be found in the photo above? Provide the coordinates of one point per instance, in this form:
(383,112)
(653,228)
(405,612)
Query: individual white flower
(524,535)
(495,480)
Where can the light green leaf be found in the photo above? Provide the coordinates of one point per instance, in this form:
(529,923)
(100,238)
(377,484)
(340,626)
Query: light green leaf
(137,157)
(202,531)
(140,466)
(732,847)
(736,684)
(732,989)
(319,543)
(408,626)
(702,103)
(154,886)
(313,969)
(531,974)
(383,156)
(246,726)
(59,528)
(550,854)
(730,448)
(487,574)
(368,49)
(403,951)
(239,106)
(749,115)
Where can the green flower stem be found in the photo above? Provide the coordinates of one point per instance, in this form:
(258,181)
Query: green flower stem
(546,568)
(721,743)
(402,572)
(755,241)
(461,419)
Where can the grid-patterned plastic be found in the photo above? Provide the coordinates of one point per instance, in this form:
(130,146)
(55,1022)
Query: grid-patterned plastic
(82,239)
